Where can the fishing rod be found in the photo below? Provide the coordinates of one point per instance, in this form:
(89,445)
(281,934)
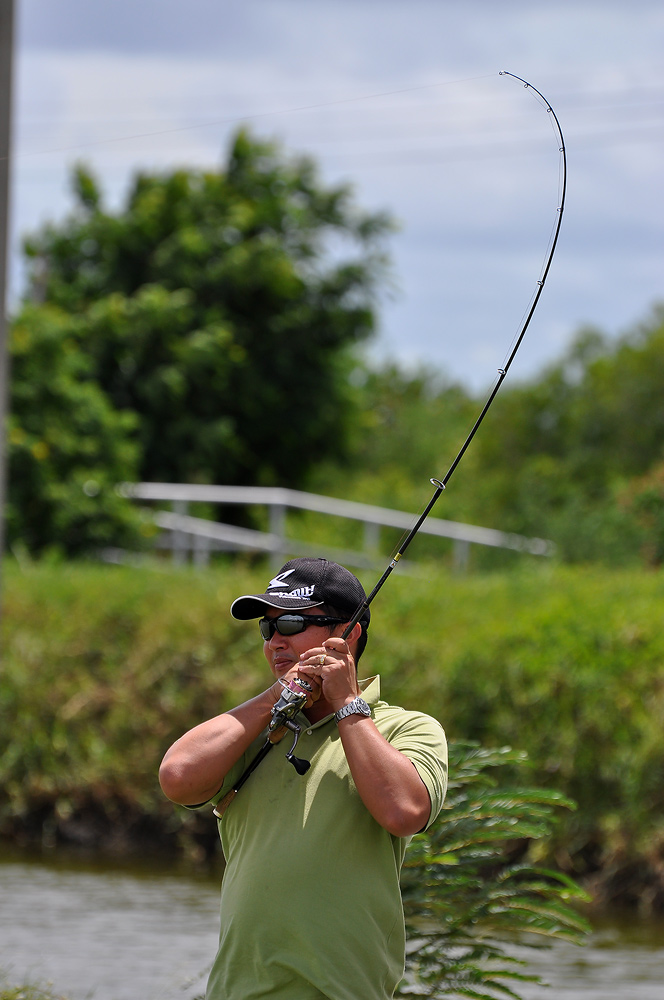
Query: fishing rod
(440,484)
(297,693)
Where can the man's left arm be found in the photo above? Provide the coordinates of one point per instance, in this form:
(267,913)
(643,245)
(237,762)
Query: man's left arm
(386,779)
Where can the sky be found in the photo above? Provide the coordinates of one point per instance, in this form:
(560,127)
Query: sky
(404,100)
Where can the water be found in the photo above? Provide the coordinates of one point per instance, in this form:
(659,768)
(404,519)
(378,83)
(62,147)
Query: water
(108,933)
(116,933)
(623,961)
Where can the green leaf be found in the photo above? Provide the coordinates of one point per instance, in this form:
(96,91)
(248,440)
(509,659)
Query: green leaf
(465,900)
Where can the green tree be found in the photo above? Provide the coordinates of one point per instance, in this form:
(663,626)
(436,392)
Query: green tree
(599,411)
(554,458)
(644,497)
(411,426)
(469,891)
(222,310)
(67,446)
(556,452)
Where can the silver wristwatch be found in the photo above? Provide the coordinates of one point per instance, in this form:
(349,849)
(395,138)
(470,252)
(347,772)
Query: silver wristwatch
(357,706)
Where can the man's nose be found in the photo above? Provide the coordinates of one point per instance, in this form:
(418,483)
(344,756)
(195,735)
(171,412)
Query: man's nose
(277,640)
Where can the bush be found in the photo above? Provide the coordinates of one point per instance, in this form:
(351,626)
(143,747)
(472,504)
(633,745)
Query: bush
(466,891)
(106,666)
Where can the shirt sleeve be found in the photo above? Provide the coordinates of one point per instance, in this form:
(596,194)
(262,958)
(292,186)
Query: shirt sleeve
(422,739)
(233,775)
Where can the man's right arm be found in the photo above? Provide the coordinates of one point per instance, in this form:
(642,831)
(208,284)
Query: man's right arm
(194,768)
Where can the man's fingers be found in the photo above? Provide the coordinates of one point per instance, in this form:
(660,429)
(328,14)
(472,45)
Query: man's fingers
(337,644)
(314,683)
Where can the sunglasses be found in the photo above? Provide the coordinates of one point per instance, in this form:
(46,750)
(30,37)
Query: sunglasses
(293,624)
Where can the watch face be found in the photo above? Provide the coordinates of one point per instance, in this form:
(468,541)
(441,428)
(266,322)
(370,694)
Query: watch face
(362,707)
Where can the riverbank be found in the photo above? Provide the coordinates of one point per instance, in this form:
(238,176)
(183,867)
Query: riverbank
(103,667)
(27,991)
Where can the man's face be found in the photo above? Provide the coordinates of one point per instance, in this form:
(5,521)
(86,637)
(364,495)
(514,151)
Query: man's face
(283,651)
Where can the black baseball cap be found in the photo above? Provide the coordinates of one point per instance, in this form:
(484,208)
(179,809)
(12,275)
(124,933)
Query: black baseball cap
(306,583)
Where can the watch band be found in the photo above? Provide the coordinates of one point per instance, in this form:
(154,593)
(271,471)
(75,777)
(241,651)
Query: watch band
(357,706)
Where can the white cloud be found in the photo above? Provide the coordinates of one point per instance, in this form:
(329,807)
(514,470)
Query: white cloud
(466,160)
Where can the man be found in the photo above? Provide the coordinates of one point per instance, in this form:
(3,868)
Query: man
(310,900)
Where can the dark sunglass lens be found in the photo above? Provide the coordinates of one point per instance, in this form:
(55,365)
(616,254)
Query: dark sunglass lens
(284,625)
(266,627)
(290,624)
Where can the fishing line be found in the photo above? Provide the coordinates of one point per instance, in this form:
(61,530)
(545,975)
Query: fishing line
(253,117)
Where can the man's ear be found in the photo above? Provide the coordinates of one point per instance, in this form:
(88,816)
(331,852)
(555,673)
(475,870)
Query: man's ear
(354,636)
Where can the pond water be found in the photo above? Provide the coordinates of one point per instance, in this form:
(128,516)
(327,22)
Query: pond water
(104,932)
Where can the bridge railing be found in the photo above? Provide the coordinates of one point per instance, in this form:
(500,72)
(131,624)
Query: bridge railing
(187,535)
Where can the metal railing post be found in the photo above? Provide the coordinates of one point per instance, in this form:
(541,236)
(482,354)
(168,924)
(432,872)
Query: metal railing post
(179,542)
(201,551)
(278,528)
(371,538)
(461,554)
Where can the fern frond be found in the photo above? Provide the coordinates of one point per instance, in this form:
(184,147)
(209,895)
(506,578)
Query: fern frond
(465,901)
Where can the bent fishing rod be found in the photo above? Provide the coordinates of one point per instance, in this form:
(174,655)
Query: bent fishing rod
(296,692)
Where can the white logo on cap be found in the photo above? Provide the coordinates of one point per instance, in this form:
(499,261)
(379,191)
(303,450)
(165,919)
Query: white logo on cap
(280,580)
(301,592)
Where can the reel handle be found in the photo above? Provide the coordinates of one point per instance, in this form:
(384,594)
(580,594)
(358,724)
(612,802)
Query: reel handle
(299,763)
(296,695)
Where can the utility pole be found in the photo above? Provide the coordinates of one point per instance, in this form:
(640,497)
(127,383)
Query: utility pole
(6,53)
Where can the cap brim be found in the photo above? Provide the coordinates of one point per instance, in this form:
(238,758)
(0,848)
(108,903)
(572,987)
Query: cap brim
(253,605)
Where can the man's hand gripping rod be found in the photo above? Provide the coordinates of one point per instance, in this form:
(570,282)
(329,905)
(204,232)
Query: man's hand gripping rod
(294,696)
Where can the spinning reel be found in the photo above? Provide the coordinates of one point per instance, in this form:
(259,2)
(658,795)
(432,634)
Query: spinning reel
(294,697)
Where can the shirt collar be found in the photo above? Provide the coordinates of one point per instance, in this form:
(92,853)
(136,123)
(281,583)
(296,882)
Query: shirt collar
(370,688)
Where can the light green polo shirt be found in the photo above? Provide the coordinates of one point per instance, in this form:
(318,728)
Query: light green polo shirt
(310,899)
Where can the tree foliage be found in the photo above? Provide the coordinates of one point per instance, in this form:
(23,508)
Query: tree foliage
(644,498)
(559,449)
(67,445)
(216,312)
(571,455)
(215,315)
